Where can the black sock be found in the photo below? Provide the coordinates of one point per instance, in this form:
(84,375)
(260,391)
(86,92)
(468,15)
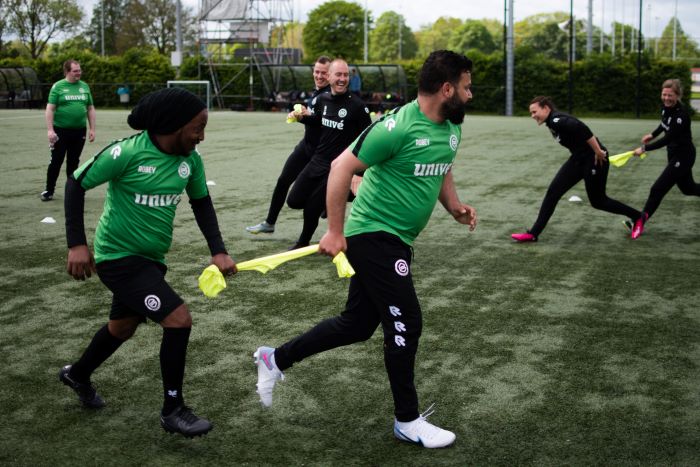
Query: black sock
(173,351)
(103,345)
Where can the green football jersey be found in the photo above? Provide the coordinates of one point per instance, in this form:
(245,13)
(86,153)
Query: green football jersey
(408,157)
(145,187)
(71,101)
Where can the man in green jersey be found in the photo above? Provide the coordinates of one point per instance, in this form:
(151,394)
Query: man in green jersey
(69,106)
(407,157)
(147,174)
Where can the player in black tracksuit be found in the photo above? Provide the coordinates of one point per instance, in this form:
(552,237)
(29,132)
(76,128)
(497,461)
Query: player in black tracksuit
(300,156)
(588,161)
(678,139)
(342,116)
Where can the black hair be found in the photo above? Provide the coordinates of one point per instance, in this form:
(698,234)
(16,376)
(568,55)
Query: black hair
(544,101)
(442,66)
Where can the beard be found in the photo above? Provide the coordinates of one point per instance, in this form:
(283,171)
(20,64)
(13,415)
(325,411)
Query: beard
(453,110)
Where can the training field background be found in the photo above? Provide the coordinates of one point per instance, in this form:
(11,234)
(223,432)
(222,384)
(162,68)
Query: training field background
(581,349)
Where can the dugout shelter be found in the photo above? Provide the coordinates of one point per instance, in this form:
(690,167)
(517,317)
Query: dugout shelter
(19,88)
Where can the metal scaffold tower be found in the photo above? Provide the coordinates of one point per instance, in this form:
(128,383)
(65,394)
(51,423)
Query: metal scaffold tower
(225,23)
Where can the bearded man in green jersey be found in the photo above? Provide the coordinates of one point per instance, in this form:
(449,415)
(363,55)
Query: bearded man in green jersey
(407,159)
(147,175)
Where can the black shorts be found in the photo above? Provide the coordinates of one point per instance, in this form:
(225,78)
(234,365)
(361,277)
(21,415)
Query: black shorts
(139,288)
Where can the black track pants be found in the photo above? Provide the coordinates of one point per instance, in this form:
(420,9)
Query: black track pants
(295,163)
(594,176)
(69,146)
(381,292)
(679,171)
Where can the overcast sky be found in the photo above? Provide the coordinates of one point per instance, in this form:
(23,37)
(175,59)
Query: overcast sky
(417,13)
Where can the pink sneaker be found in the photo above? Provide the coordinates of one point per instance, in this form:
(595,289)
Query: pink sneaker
(639,226)
(523,237)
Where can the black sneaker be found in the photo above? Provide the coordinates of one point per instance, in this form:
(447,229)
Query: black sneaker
(46,196)
(182,420)
(297,245)
(86,392)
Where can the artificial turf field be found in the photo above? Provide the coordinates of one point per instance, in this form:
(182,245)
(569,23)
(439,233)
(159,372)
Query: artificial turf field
(581,349)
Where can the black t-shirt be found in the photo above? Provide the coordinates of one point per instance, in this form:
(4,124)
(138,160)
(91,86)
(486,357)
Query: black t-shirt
(675,123)
(341,118)
(312,133)
(571,133)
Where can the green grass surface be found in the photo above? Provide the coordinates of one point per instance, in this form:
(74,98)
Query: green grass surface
(581,349)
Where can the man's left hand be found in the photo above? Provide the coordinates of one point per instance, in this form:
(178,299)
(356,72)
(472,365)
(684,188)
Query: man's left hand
(466,215)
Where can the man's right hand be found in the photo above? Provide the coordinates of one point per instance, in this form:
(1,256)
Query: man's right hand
(53,137)
(81,263)
(332,243)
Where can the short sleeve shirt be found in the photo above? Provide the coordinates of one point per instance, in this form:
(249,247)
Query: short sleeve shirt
(145,187)
(408,157)
(72,101)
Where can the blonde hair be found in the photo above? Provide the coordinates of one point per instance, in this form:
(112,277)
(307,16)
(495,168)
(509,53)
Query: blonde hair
(675,85)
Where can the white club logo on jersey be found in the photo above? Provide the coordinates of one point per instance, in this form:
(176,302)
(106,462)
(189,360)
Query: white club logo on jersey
(390,123)
(453,142)
(152,302)
(342,113)
(184,170)
(679,121)
(116,152)
(555,120)
(401,268)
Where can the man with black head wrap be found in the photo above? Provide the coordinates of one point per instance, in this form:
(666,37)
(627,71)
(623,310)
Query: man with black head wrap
(147,174)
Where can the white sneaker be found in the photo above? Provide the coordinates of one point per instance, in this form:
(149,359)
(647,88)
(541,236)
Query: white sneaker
(262,227)
(268,374)
(423,433)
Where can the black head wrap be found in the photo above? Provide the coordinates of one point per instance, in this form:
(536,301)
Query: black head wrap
(166,111)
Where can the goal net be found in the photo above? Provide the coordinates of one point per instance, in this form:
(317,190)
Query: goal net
(200,88)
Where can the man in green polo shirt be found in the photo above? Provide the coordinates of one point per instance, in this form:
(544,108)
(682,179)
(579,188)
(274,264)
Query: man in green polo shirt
(407,158)
(68,110)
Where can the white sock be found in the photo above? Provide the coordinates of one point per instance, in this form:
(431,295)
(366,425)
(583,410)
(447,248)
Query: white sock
(405,425)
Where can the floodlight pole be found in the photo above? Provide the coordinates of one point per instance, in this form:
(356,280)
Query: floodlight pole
(571,56)
(639,61)
(102,27)
(675,22)
(366,31)
(509,59)
(589,30)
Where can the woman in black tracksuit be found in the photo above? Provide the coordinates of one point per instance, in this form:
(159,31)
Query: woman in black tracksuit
(588,162)
(678,139)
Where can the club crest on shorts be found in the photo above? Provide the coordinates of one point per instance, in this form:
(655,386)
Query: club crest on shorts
(152,302)
(401,267)
(184,170)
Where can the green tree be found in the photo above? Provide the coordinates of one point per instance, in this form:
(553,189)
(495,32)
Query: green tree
(384,39)
(4,21)
(685,46)
(288,35)
(436,36)
(151,23)
(36,22)
(473,34)
(336,29)
(114,11)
